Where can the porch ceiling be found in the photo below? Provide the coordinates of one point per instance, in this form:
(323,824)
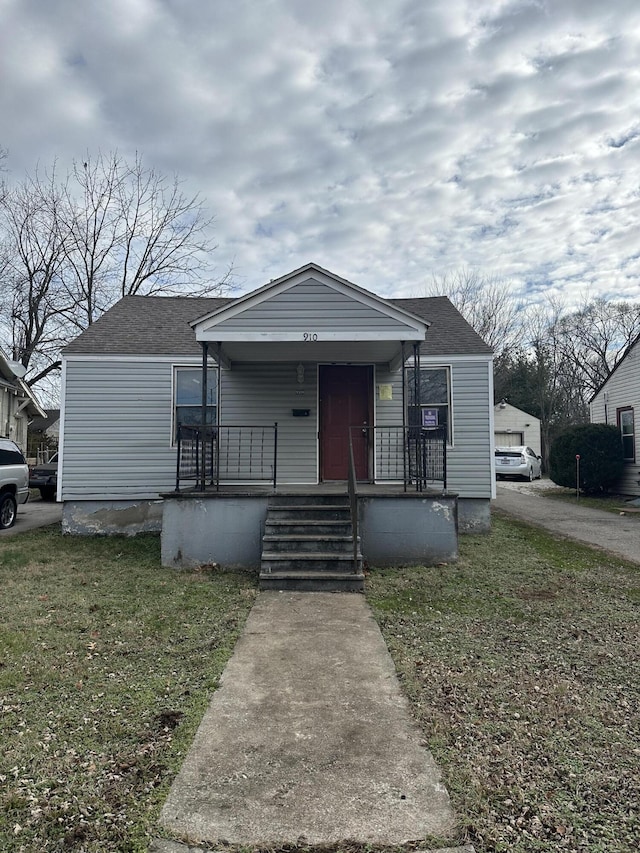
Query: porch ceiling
(367,352)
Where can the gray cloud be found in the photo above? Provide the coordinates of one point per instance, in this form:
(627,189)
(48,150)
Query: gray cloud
(387,140)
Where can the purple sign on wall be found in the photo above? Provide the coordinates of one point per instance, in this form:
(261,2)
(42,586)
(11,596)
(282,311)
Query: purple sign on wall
(429,417)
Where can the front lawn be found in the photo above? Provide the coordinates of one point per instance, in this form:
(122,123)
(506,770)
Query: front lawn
(107,662)
(522,665)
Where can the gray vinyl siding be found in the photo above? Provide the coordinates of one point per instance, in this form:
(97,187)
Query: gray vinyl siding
(388,413)
(311,307)
(264,394)
(469,459)
(117,430)
(622,389)
(118,421)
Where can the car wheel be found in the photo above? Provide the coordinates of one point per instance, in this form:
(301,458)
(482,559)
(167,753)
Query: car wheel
(8,509)
(47,493)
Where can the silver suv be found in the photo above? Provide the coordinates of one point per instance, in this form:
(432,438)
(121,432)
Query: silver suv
(14,482)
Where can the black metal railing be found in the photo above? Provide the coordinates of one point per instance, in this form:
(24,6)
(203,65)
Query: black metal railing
(412,455)
(353,503)
(210,455)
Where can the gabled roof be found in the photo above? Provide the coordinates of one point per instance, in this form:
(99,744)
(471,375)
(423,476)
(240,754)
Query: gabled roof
(161,325)
(630,349)
(289,281)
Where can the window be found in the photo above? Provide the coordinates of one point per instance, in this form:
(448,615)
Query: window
(627,433)
(435,398)
(187,397)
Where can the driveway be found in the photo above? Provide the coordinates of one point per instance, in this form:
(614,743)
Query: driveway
(35,513)
(619,534)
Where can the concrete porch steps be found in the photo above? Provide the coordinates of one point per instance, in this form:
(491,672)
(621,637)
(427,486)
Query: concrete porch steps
(308,545)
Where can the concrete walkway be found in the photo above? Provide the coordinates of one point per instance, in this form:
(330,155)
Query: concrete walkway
(308,739)
(619,534)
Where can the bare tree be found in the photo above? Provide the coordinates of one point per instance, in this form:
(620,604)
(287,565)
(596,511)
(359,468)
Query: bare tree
(131,230)
(35,300)
(72,248)
(596,337)
(487,303)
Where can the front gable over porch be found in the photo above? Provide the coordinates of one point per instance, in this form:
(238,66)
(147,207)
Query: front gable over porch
(310,314)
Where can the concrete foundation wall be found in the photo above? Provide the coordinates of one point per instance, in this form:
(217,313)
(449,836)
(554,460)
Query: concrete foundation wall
(228,530)
(224,530)
(106,518)
(397,531)
(474,515)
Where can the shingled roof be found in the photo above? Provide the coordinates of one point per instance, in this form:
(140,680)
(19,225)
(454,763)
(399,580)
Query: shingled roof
(449,333)
(153,325)
(159,325)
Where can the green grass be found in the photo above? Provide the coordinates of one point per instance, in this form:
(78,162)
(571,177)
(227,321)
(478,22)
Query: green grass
(521,663)
(607,502)
(107,662)
(522,666)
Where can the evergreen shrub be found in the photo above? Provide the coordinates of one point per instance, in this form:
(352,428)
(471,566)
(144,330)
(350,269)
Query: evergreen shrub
(601,457)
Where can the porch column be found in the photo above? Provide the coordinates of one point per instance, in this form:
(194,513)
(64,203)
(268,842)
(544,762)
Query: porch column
(203,418)
(416,376)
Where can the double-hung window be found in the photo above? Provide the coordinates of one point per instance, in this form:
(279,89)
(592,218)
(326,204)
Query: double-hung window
(627,433)
(187,397)
(433,407)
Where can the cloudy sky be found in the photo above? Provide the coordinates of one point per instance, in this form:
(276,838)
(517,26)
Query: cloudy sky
(388,140)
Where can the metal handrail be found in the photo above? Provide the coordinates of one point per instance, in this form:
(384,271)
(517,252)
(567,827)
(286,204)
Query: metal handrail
(353,502)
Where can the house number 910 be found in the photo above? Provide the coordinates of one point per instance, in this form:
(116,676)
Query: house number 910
(309,336)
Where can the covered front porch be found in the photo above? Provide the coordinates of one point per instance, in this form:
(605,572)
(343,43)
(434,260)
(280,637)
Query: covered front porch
(347,472)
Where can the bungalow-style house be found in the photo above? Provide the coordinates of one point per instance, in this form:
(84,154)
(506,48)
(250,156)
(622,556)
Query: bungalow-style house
(18,405)
(217,420)
(514,427)
(617,402)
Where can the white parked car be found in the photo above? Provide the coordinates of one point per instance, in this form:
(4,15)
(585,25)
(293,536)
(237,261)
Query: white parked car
(14,482)
(518,461)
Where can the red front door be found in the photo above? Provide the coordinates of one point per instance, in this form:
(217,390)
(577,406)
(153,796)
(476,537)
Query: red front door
(345,401)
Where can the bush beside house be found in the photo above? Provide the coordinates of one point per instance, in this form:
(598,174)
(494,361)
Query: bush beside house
(601,457)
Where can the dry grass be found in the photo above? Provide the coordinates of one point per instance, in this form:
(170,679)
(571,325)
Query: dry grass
(106,665)
(521,662)
(522,665)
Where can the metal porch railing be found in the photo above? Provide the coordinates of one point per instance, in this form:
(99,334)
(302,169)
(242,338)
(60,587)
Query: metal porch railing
(412,455)
(211,455)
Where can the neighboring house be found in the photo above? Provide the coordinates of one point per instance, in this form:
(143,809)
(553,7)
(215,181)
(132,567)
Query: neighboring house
(310,352)
(512,427)
(44,433)
(18,405)
(617,402)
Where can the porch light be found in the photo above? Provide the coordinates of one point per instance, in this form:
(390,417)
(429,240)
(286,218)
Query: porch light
(300,373)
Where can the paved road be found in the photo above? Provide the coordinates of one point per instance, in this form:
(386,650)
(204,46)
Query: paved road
(35,513)
(619,534)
